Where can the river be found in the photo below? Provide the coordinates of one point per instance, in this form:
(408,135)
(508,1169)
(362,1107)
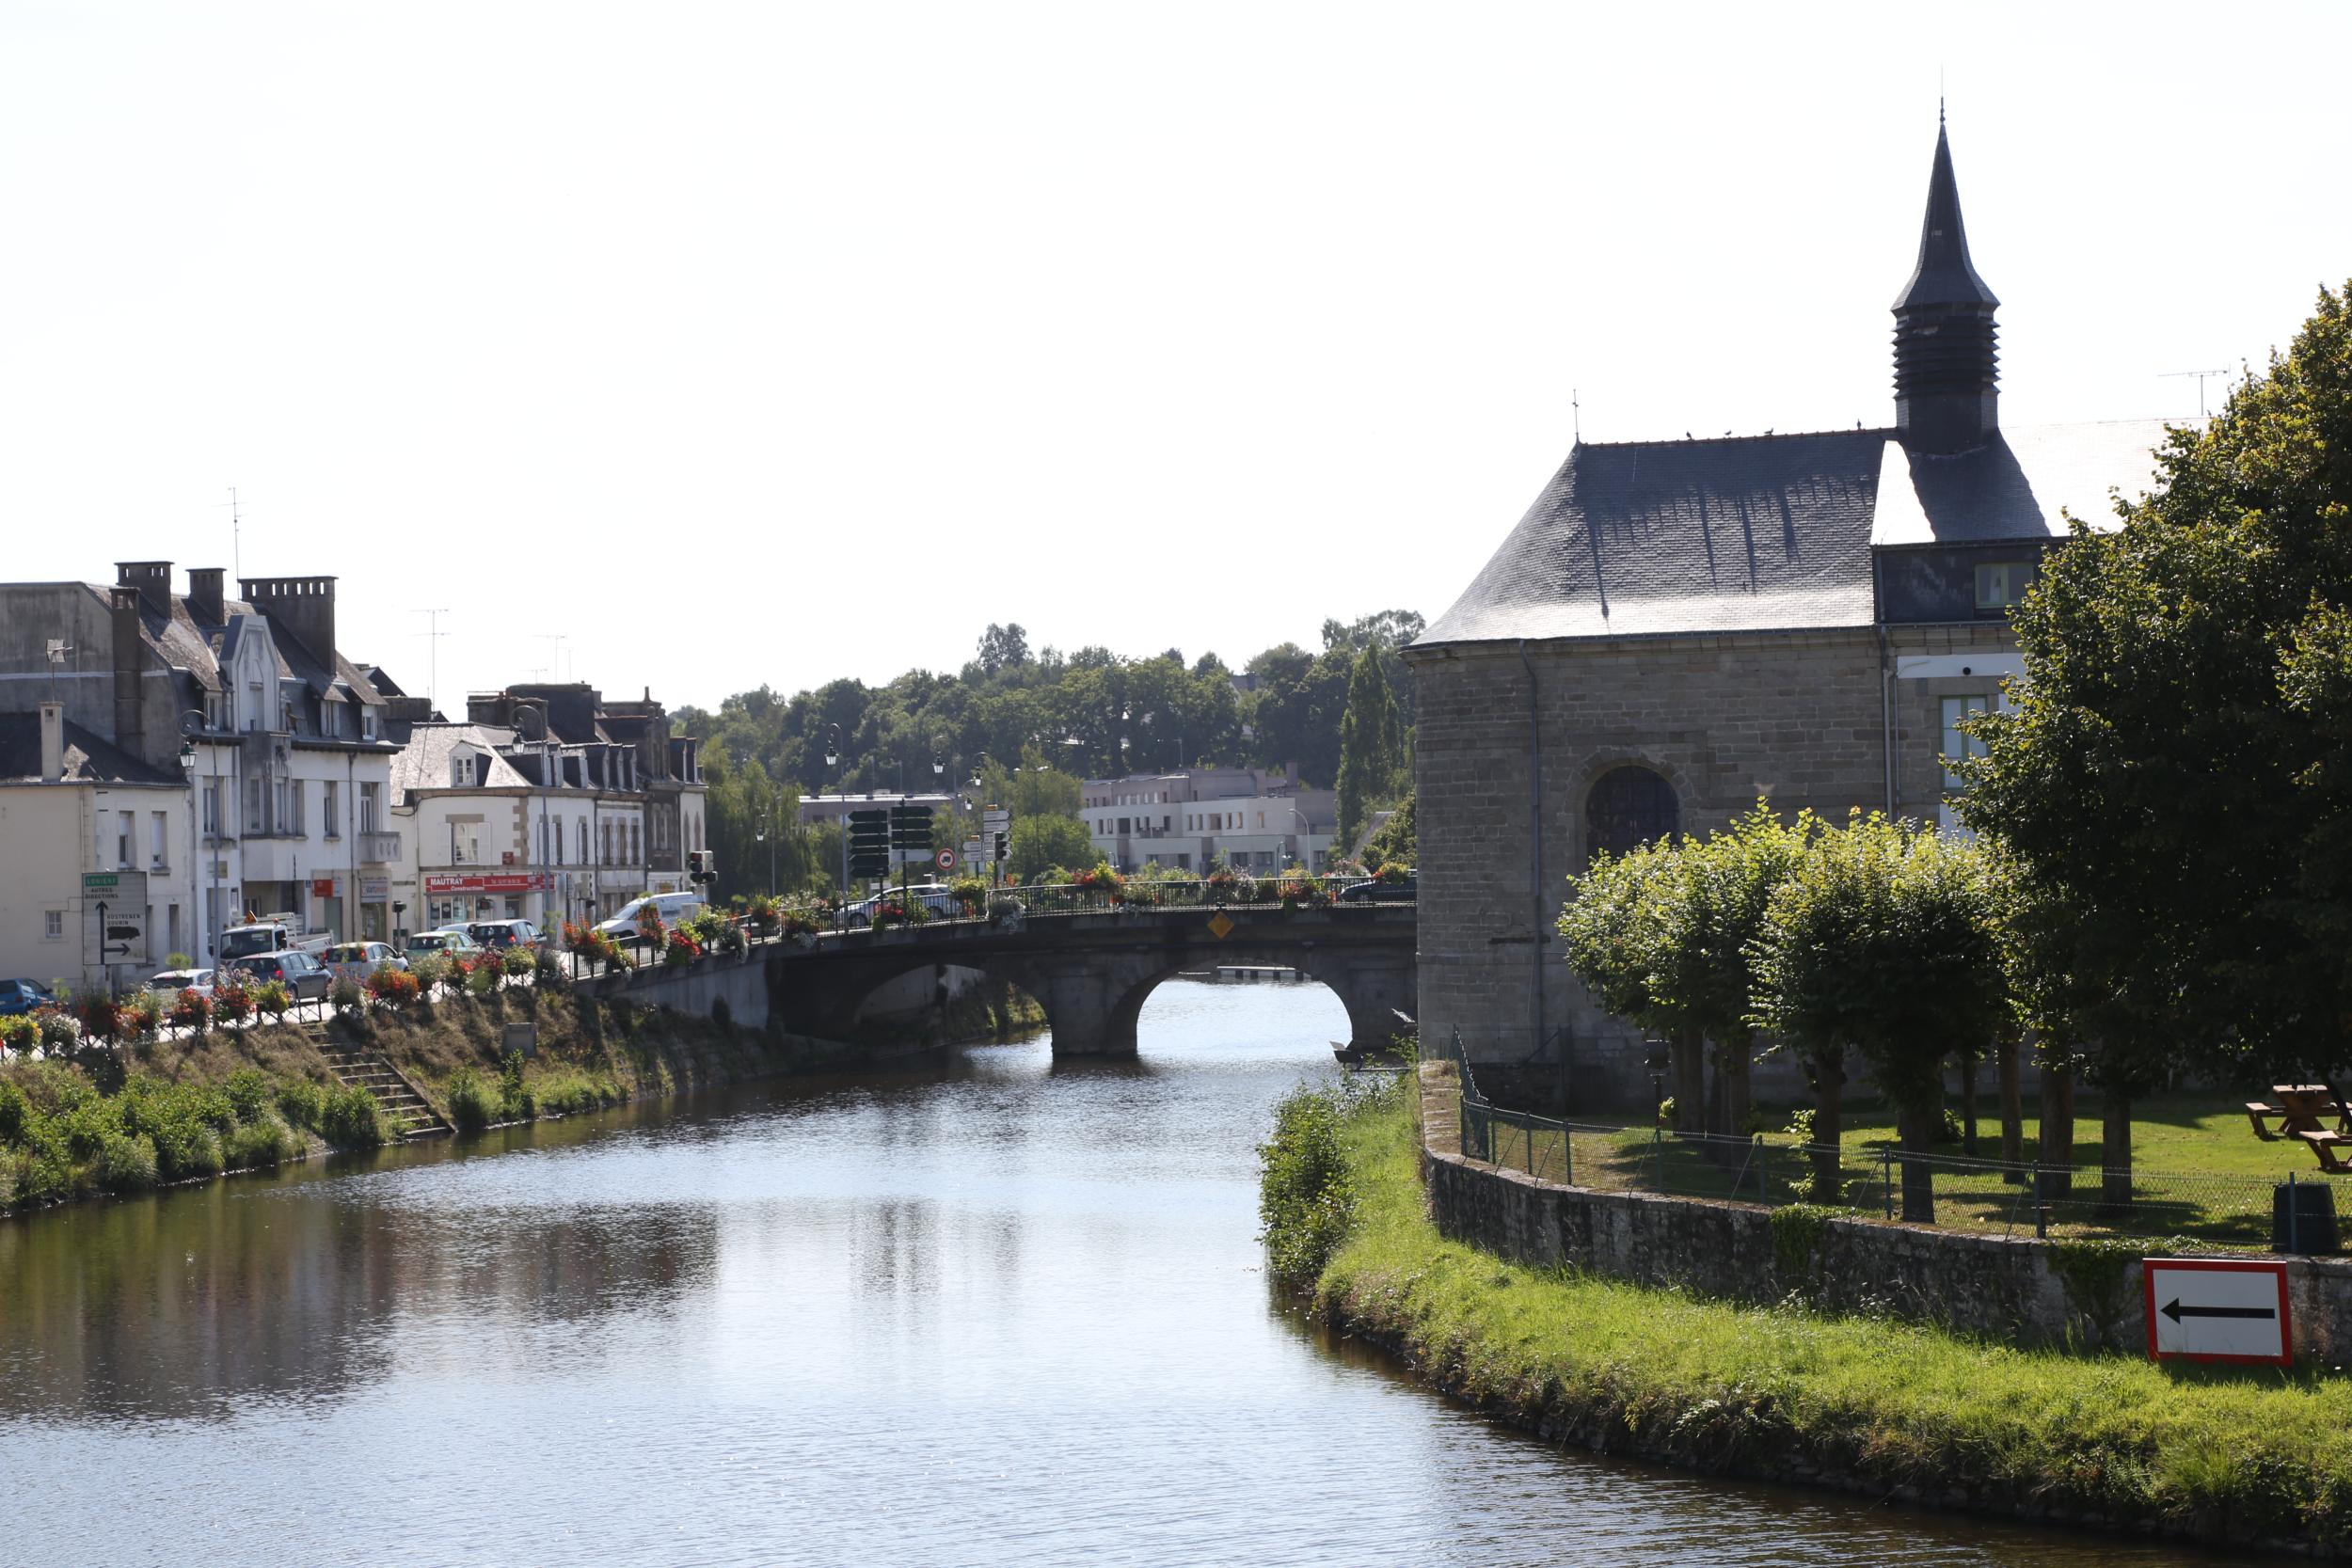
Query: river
(983,1309)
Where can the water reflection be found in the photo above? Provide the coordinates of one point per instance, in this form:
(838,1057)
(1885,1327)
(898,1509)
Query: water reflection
(981,1309)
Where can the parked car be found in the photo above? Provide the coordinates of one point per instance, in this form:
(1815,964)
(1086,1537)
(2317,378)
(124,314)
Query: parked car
(1372,890)
(24,996)
(173,981)
(506,933)
(673,907)
(450,944)
(934,896)
(356,960)
(271,933)
(304,977)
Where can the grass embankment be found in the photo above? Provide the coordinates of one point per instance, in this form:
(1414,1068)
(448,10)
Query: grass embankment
(248,1101)
(2222,1455)
(183,1109)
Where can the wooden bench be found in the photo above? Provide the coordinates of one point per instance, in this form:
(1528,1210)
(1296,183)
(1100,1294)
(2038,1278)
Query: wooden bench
(2327,1146)
(2255,1111)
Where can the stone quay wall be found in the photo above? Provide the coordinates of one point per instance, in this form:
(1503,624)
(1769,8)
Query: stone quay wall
(2017,1290)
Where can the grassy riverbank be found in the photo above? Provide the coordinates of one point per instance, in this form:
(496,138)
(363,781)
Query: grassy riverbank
(185,1109)
(1859,1403)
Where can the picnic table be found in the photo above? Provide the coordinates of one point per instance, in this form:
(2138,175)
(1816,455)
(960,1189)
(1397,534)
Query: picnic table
(2303,1111)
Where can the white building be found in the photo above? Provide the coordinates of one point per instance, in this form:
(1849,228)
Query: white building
(1252,819)
(279,735)
(77,815)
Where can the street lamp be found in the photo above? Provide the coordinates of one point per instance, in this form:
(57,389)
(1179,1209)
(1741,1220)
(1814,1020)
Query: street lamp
(187,767)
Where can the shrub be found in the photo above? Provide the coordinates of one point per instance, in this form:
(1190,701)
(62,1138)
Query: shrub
(681,949)
(192,1011)
(519,962)
(481,976)
(515,1099)
(186,1148)
(232,1003)
(262,1145)
(432,970)
(247,1092)
(345,994)
(1306,1198)
(142,1016)
(271,999)
(15,1111)
(302,1102)
(58,1032)
(87,1126)
(763,912)
(470,1105)
(18,1032)
(179,960)
(126,1162)
(388,987)
(351,1118)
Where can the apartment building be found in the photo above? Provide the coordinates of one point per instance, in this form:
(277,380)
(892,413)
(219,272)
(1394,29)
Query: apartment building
(275,737)
(1248,817)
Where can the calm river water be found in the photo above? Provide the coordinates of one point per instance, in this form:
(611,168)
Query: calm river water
(984,1309)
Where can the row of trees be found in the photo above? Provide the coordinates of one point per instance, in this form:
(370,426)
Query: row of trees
(1877,937)
(1030,725)
(2161,881)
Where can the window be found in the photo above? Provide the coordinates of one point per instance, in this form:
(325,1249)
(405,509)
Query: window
(294,807)
(330,810)
(252,805)
(1629,806)
(123,821)
(461,771)
(367,723)
(331,718)
(368,803)
(52,925)
(1957,745)
(157,843)
(583,841)
(171,926)
(253,705)
(2002,583)
(212,808)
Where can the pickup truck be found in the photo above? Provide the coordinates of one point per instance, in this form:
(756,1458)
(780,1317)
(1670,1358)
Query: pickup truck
(276,933)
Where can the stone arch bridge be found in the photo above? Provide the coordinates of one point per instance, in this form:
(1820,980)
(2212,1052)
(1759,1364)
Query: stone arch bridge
(1090,971)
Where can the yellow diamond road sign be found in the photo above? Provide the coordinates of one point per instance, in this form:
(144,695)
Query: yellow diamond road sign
(1222,925)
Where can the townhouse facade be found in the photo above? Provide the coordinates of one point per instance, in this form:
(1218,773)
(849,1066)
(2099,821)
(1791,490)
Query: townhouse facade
(247,709)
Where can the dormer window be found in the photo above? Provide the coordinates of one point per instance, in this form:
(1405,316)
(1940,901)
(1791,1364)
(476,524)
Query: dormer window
(367,723)
(2001,583)
(461,771)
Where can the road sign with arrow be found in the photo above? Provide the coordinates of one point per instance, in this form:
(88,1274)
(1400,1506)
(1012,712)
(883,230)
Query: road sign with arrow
(114,918)
(2217,1309)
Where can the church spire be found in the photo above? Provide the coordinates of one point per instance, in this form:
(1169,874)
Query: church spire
(1944,361)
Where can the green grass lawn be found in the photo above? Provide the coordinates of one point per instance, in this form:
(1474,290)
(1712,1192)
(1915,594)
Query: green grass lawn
(2224,1454)
(2199,1172)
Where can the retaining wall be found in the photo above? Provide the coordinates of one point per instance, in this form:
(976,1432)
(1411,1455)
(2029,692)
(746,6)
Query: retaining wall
(2018,1289)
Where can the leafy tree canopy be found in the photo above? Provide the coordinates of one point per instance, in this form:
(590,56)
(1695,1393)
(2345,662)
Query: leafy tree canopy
(2171,780)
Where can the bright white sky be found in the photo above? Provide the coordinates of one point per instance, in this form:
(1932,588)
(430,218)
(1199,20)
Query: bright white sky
(777,342)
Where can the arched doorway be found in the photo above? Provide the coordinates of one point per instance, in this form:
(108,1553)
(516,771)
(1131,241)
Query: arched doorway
(1628,806)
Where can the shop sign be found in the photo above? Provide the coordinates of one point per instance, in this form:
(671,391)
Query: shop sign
(511,881)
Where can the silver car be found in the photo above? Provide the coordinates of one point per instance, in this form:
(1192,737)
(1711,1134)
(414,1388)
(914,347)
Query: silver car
(356,960)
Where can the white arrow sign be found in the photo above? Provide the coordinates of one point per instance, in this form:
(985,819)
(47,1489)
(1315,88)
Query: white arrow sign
(2217,1309)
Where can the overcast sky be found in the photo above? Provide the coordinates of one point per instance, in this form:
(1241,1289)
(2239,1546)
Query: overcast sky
(778,343)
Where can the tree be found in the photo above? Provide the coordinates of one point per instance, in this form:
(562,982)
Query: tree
(1881,943)
(1370,747)
(2171,777)
(1004,647)
(1042,842)
(1616,940)
(1710,914)
(1396,842)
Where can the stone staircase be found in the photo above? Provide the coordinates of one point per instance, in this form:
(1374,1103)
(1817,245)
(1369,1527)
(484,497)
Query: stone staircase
(404,1107)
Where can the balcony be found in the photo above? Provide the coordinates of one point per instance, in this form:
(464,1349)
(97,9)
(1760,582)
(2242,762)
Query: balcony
(380,849)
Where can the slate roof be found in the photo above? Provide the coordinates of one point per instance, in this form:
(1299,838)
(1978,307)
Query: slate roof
(423,763)
(1772,532)
(88,758)
(1649,537)
(2017,485)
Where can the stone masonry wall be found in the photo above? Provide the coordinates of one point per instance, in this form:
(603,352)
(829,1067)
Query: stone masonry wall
(1798,716)
(2013,1289)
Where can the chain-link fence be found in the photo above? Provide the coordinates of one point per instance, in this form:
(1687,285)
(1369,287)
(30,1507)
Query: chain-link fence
(1990,1196)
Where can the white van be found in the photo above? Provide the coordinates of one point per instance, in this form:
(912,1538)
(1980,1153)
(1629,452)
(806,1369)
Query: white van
(672,907)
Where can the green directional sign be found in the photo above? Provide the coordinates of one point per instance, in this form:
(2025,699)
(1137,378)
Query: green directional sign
(101,881)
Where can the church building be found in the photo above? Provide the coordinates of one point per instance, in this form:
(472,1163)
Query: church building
(1676,627)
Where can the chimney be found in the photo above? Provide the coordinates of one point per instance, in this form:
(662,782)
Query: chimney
(130,661)
(153,579)
(52,742)
(206,600)
(303,605)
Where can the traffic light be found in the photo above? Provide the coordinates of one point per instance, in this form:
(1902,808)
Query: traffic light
(911,828)
(702,866)
(870,843)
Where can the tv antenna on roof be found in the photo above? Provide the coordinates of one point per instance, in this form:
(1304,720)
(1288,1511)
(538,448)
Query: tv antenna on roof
(236,561)
(1575,418)
(2201,376)
(433,636)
